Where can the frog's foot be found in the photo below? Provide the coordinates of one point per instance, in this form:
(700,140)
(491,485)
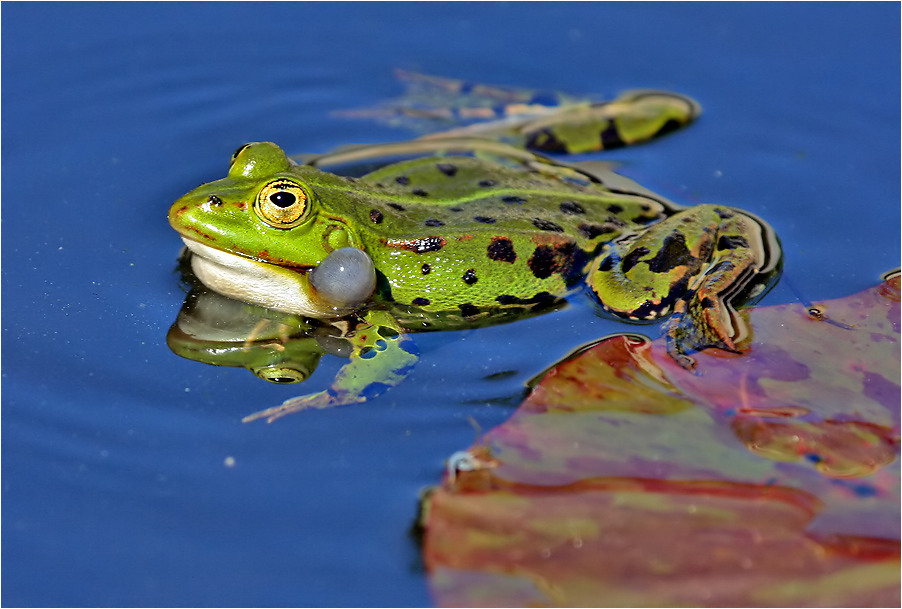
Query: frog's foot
(315,401)
(700,324)
(741,263)
(694,266)
(704,318)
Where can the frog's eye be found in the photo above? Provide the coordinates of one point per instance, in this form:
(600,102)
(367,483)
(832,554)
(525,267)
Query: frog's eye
(281,204)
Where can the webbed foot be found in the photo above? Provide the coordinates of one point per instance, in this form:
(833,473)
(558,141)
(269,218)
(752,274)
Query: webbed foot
(698,327)
(693,266)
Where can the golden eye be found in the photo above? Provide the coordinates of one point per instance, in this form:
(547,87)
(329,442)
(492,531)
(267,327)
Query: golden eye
(281,204)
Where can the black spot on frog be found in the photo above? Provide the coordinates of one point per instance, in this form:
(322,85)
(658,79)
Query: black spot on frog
(502,250)
(447,168)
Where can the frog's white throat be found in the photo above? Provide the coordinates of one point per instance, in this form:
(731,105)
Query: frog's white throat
(256,282)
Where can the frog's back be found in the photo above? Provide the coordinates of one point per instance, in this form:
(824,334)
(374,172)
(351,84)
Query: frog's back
(467,235)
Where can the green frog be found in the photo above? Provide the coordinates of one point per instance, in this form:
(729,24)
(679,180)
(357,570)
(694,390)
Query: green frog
(460,230)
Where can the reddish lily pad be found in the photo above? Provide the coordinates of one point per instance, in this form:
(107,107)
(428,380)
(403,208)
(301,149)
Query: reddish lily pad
(770,478)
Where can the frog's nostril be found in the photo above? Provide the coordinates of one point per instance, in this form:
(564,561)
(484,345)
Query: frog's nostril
(238,151)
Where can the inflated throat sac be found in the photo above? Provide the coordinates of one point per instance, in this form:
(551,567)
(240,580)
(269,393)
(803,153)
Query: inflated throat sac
(346,278)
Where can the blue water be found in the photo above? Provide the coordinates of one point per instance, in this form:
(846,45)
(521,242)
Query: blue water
(115,487)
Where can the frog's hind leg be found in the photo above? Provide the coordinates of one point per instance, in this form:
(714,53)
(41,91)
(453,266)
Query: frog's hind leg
(632,118)
(694,266)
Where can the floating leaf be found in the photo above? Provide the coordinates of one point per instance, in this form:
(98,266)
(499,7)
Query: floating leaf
(770,478)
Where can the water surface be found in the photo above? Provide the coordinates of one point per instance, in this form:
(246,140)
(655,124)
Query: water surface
(115,484)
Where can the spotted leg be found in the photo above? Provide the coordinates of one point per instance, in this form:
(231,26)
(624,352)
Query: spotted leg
(632,118)
(694,266)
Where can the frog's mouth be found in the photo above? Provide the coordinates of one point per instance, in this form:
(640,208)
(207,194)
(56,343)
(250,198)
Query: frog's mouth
(260,283)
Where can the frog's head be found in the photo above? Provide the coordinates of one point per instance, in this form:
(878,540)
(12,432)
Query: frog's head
(257,236)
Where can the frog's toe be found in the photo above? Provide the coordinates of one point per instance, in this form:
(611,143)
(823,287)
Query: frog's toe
(675,351)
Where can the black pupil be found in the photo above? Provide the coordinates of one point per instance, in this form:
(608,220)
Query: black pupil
(282,199)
